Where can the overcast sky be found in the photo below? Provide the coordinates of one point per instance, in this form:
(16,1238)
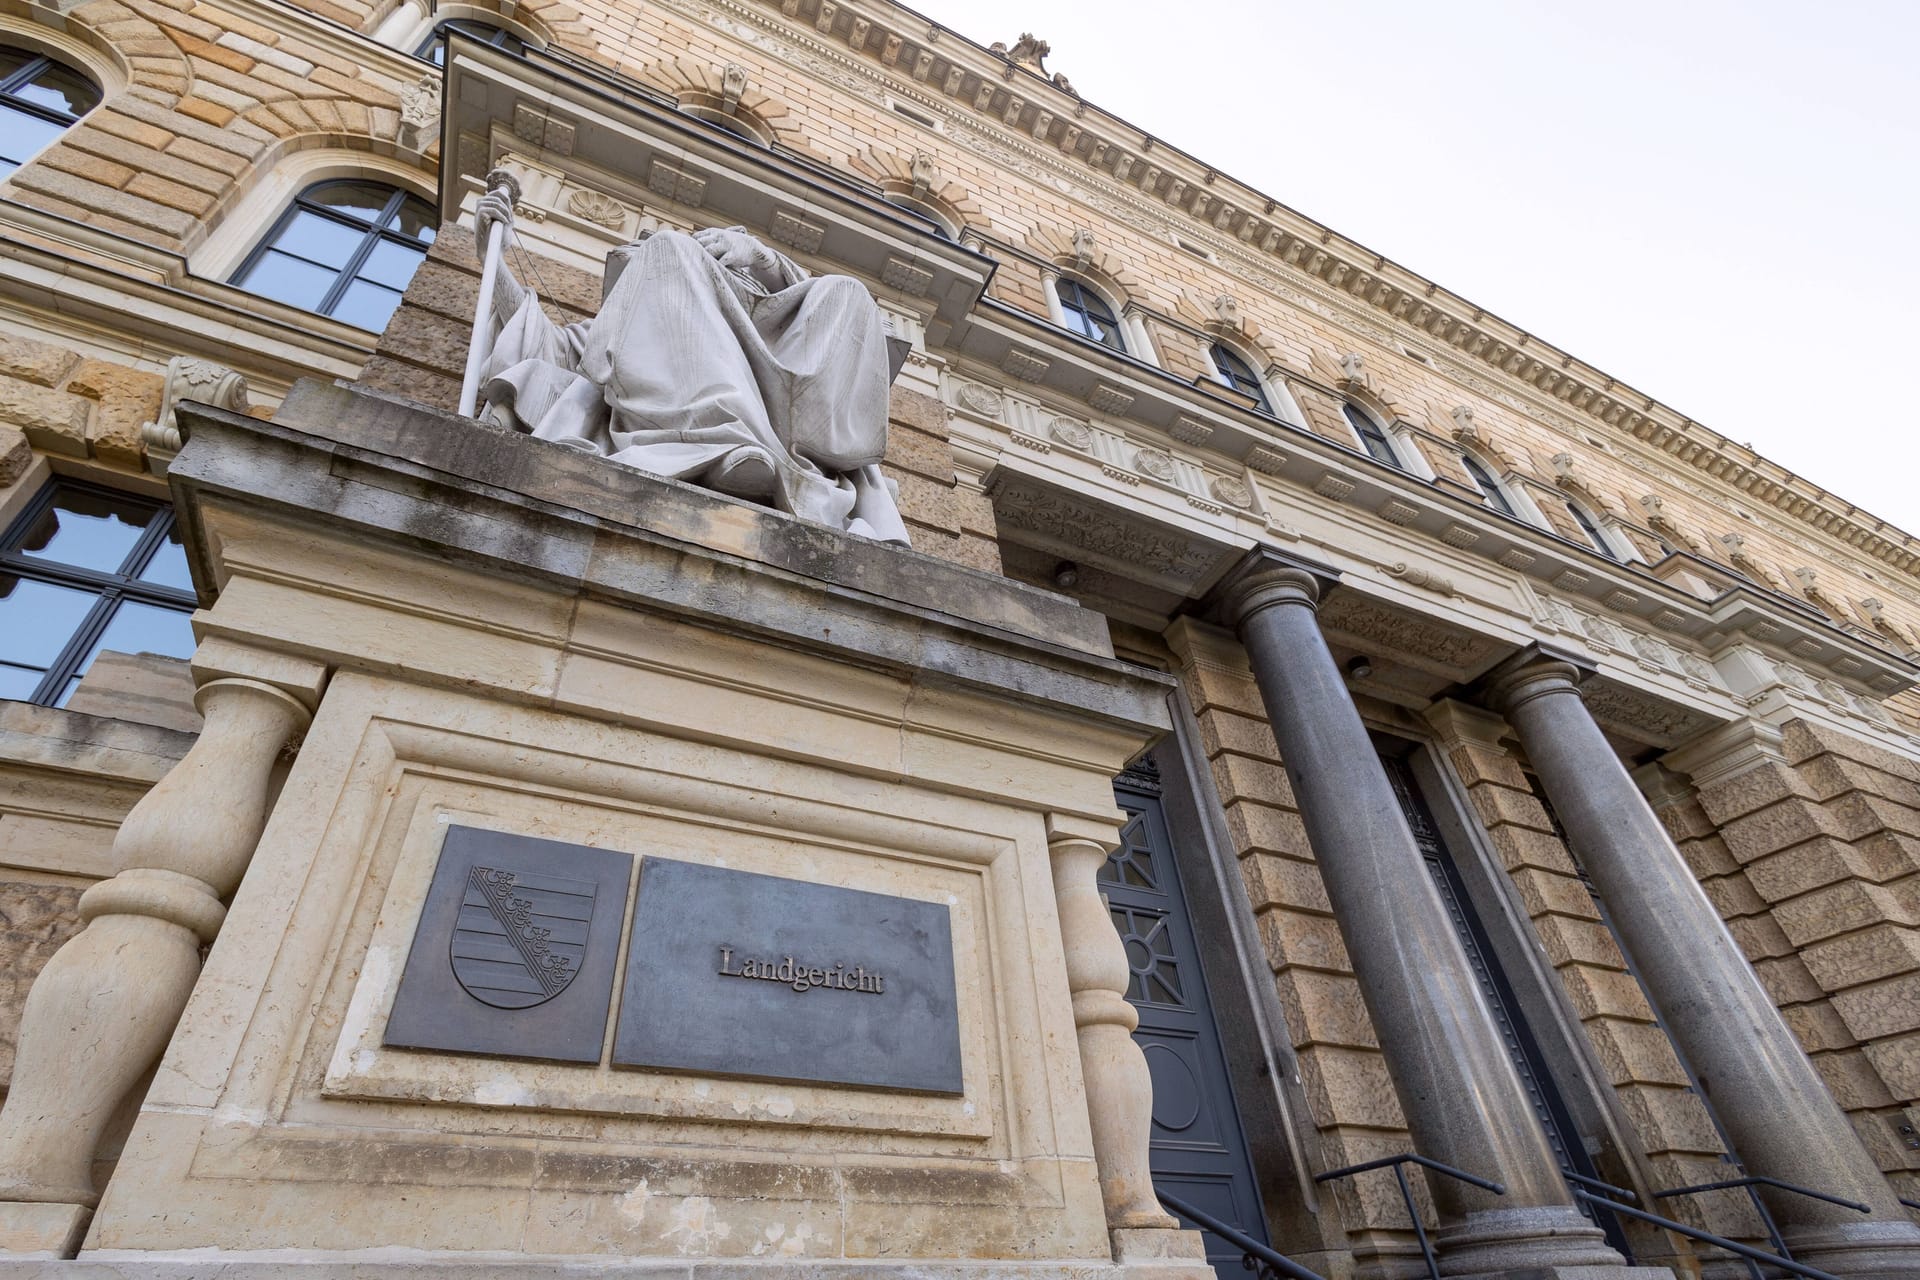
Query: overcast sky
(1716,203)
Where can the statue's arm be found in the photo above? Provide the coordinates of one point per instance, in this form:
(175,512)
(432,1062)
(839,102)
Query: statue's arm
(494,216)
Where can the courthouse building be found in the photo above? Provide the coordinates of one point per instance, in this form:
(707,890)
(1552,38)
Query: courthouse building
(1317,721)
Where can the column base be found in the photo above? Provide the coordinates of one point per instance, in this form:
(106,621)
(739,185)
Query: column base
(1542,1240)
(1869,1250)
(40,1231)
(1619,1271)
(1162,1253)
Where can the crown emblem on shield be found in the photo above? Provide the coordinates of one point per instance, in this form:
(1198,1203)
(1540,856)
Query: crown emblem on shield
(520,937)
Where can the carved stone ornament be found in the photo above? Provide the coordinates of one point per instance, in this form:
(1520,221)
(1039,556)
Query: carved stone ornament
(1233,492)
(1155,463)
(420,112)
(1426,579)
(1095,530)
(1074,435)
(980,399)
(1226,309)
(1029,53)
(598,207)
(189,378)
(923,173)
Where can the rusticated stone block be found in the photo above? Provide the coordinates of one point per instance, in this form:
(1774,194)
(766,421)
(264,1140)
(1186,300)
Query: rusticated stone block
(1222,730)
(1759,937)
(52,420)
(40,363)
(1350,1087)
(1734,896)
(1324,1008)
(397,377)
(1287,882)
(1298,938)
(917,410)
(1503,804)
(1888,1008)
(1605,993)
(1750,791)
(1850,1077)
(35,919)
(1525,847)
(1635,1052)
(1881,951)
(925,455)
(126,398)
(1838,909)
(1543,892)
(16,455)
(1788,980)
(1583,942)
(1257,827)
(1670,1118)
(1818,1028)
(1897,1062)
(1477,765)
(1251,778)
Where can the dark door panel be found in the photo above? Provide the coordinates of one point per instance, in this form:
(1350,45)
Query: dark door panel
(1198,1151)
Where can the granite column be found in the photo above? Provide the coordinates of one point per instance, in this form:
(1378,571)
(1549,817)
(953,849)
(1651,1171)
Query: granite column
(1463,1101)
(1774,1107)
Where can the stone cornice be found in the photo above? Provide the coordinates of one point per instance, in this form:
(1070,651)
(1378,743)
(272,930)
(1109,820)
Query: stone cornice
(941,68)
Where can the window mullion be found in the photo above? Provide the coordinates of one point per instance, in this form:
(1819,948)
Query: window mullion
(350,271)
(65,664)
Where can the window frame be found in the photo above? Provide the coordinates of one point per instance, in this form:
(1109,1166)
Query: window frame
(1484,479)
(436,37)
(1590,526)
(37,63)
(1083,291)
(1355,415)
(1219,353)
(372,234)
(110,590)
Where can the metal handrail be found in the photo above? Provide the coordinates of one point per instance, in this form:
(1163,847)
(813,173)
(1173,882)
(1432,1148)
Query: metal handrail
(1747,1252)
(1252,1250)
(1399,1165)
(1749,1185)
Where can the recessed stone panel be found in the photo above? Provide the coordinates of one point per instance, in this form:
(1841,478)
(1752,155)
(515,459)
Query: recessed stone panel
(737,973)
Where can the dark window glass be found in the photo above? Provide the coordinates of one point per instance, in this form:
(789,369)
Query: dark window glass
(1088,314)
(1588,527)
(345,249)
(1240,376)
(1373,437)
(434,47)
(39,98)
(84,571)
(1496,497)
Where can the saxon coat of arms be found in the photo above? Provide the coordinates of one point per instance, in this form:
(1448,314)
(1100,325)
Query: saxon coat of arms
(520,937)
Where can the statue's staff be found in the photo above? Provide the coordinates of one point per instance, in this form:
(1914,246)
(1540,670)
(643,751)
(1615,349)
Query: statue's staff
(502,183)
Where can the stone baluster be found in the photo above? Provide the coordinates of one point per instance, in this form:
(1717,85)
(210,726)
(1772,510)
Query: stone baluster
(1119,1090)
(1774,1107)
(105,1006)
(1462,1098)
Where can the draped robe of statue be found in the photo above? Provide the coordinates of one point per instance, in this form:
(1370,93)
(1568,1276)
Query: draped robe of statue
(769,385)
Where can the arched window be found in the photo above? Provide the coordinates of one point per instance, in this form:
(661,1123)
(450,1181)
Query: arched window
(39,98)
(1373,437)
(345,249)
(1490,487)
(434,47)
(1239,375)
(925,215)
(1589,527)
(1089,314)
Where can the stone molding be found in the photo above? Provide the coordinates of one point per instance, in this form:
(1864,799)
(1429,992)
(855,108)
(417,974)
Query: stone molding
(1346,269)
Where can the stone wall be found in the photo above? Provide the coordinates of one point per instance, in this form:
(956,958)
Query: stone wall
(1812,853)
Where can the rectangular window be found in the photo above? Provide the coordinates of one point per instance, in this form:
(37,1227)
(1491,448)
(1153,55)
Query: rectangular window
(85,571)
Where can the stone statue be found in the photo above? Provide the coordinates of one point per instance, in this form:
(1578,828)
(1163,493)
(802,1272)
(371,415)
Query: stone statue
(713,360)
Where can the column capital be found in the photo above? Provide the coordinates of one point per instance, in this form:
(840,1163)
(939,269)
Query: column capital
(1535,670)
(1266,577)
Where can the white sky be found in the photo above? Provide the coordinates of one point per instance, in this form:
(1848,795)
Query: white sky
(1717,203)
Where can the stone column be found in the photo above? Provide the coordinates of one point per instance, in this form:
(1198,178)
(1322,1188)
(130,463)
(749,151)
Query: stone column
(105,1006)
(1774,1107)
(1463,1101)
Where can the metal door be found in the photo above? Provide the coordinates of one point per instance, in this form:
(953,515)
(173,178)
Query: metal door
(1562,1134)
(1198,1151)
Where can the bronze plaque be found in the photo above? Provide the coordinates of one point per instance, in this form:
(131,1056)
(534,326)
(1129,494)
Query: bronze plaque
(737,973)
(514,953)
